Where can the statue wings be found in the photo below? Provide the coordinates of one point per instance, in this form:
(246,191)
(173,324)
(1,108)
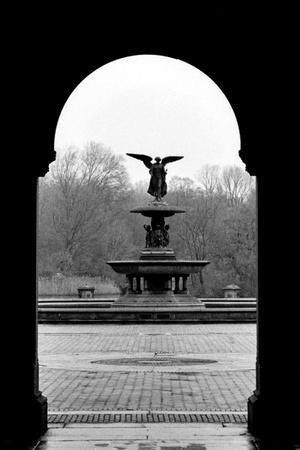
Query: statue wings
(147,159)
(169,159)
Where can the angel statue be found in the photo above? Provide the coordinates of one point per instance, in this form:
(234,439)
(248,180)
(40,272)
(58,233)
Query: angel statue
(158,186)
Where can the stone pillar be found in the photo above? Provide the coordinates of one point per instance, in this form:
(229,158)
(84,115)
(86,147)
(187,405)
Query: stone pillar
(23,405)
(130,283)
(145,284)
(184,284)
(273,409)
(176,285)
(138,285)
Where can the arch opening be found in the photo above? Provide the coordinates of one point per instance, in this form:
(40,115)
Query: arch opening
(162,111)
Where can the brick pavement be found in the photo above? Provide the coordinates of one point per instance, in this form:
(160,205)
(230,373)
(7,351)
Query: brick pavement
(72,382)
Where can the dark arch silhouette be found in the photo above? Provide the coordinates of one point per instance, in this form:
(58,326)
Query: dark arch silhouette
(247,81)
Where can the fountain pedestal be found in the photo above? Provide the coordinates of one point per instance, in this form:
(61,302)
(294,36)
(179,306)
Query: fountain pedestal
(157,279)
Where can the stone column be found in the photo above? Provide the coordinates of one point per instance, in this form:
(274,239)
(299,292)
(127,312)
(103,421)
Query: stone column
(184,284)
(130,283)
(176,285)
(273,409)
(23,405)
(145,284)
(138,285)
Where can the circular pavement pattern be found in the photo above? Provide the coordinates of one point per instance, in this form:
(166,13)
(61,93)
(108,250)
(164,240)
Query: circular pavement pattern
(157,361)
(148,362)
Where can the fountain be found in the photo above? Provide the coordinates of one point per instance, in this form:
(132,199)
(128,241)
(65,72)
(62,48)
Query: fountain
(157,281)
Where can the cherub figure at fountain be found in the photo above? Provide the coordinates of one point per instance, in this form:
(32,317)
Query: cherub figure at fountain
(148,236)
(166,236)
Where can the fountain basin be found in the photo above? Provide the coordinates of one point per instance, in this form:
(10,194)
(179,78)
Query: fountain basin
(157,267)
(161,210)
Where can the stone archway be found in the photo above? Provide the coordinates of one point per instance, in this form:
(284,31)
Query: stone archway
(275,401)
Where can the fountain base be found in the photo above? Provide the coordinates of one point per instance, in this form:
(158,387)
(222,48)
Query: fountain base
(157,281)
(158,299)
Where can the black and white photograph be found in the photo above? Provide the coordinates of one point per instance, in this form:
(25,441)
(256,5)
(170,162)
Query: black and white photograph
(151,294)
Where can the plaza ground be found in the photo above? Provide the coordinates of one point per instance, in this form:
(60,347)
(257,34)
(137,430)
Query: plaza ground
(109,381)
(147,367)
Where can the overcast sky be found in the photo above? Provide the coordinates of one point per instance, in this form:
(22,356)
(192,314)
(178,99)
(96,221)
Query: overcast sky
(153,105)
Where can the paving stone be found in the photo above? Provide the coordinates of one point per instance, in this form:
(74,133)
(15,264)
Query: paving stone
(72,381)
(151,437)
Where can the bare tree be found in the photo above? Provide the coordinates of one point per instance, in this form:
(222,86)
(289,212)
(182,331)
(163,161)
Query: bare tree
(85,187)
(197,229)
(209,179)
(181,189)
(237,184)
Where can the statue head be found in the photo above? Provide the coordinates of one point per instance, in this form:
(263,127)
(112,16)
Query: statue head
(157,159)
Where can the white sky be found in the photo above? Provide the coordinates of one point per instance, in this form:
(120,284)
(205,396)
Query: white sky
(154,105)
